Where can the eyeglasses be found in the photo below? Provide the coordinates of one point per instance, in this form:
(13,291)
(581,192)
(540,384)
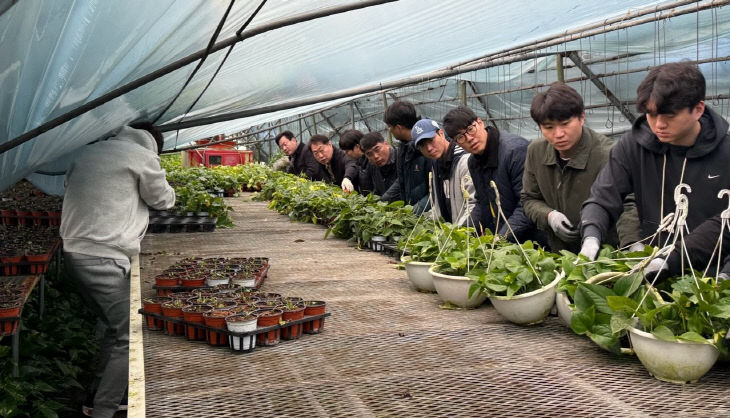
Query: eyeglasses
(470,131)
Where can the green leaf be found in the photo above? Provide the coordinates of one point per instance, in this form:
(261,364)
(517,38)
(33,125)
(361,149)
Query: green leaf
(622,304)
(692,336)
(627,285)
(606,341)
(582,321)
(589,294)
(620,323)
(663,333)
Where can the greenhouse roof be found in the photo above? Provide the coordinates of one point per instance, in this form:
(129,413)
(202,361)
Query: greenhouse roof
(75,71)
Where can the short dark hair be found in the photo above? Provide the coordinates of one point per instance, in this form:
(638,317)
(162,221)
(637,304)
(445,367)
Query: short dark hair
(370,139)
(318,139)
(153,130)
(349,139)
(457,120)
(401,113)
(560,102)
(672,87)
(288,134)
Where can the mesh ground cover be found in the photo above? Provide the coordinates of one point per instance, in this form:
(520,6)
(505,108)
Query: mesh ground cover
(388,350)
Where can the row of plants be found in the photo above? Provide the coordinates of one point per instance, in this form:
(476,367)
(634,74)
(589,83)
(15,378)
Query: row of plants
(56,354)
(27,250)
(347,215)
(192,272)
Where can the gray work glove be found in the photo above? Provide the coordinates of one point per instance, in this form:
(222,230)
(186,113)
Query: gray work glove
(560,224)
(722,277)
(656,267)
(590,248)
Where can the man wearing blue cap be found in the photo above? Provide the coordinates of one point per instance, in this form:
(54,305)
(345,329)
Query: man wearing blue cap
(450,173)
(496,156)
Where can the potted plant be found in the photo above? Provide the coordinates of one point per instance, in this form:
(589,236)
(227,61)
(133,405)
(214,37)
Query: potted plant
(193,314)
(244,324)
(423,248)
(173,310)
(312,308)
(452,266)
(267,318)
(216,318)
(292,311)
(520,281)
(154,306)
(678,341)
(10,307)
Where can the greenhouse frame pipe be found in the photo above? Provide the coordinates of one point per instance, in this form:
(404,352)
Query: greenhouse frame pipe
(182,62)
(604,24)
(346,93)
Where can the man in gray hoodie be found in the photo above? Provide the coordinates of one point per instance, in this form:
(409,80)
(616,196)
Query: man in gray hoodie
(109,187)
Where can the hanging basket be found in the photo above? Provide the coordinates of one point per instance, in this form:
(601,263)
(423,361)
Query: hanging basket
(455,290)
(527,308)
(418,274)
(673,361)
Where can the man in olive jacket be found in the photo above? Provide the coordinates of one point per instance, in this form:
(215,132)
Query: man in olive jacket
(561,167)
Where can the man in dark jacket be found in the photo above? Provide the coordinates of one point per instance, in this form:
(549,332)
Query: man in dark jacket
(300,156)
(382,170)
(560,169)
(412,167)
(499,157)
(677,140)
(350,144)
(450,173)
(334,166)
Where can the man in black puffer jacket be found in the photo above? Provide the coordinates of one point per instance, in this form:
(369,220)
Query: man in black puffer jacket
(497,156)
(677,140)
(334,166)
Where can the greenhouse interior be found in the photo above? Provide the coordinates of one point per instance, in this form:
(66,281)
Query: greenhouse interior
(260,208)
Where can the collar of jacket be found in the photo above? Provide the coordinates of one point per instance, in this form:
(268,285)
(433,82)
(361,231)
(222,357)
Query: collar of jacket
(579,160)
(712,133)
(298,151)
(445,162)
(490,156)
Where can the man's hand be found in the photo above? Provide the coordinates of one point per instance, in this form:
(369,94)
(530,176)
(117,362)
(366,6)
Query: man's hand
(637,247)
(562,227)
(590,248)
(656,267)
(347,185)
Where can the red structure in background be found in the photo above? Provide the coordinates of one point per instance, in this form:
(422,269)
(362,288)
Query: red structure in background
(223,153)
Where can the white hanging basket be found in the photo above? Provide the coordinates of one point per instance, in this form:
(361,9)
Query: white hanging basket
(417,272)
(455,290)
(527,308)
(673,361)
(562,302)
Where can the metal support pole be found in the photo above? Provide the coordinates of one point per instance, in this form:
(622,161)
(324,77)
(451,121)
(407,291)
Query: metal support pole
(314,124)
(352,114)
(16,349)
(41,308)
(483,101)
(559,68)
(462,88)
(602,87)
(385,107)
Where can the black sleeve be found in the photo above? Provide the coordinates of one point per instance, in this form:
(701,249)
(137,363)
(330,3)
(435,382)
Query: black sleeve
(312,168)
(606,201)
(700,245)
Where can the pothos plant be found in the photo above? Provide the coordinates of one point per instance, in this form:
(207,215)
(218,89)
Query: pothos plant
(698,310)
(577,268)
(596,318)
(512,269)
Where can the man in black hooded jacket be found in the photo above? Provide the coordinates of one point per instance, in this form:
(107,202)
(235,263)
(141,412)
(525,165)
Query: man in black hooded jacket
(677,140)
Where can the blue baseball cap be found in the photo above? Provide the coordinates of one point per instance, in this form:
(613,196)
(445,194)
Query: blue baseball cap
(424,129)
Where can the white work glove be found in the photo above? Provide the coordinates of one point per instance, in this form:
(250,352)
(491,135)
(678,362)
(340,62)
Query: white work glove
(560,224)
(347,185)
(655,267)
(590,248)
(722,277)
(637,247)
